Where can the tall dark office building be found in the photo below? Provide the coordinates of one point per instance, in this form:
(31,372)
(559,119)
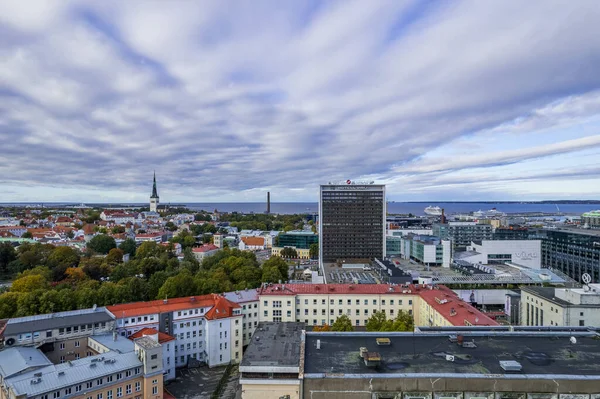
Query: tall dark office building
(351,221)
(573,252)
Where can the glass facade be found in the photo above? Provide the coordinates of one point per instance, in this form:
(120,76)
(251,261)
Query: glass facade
(573,253)
(301,240)
(352,222)
(462,235)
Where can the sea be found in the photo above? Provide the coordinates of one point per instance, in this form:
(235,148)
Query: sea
(416,208)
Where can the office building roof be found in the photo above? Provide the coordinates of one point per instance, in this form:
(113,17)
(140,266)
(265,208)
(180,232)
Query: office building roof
(18,359)
(538,353)
(453,309)
(163,306)
(162,337)
(54,377)
(274,346)
(343,289)
(113,342)
(51,321)
(248,295)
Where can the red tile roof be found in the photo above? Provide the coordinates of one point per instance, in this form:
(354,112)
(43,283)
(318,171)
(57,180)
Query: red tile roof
(343,289)
(172,305)
(254,241)
(205,248)
(162,337)
(150,235)
(452,308)
(223,308)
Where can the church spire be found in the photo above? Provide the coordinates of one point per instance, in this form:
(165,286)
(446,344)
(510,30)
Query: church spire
(154,192)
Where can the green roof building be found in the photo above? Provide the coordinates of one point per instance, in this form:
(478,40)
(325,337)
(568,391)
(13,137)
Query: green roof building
(591,219)
(298,239)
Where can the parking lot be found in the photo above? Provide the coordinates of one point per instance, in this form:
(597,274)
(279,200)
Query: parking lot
(345,275)
(201,382)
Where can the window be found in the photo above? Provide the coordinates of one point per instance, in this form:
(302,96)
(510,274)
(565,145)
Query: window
(410,301)
(220,347)
(62,346)
(138,386)
(119,376)
(349,301)
(306,301)
(289,303)
(62,359)
(154,390)
(374,301)
(357,312)
(265,303)
(88,384)
(276,304)
(236,343)
(56,394)
(392,302)
(366,302)
(266,313)
(99,381)
(77,344)
(220,358)
(78,388)
(99,396)
(331,301)
(383,302)
(366,311)
(48,334)
(109,394)
(68,391)
(582,322)
(128,372)
(153,357)
(580,313)
(119,392)
(322,301)
(128,389)
(109,378)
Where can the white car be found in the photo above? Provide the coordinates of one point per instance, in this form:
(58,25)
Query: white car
(366,268)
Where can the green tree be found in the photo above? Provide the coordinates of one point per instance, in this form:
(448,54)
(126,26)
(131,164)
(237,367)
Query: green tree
(29,283)
(95,268)
(27,234)
(280,264)
(170,226)
(376,322)
(7,255)
(155,282)
(149,249)
(60,260)
(180,285)
(342,323)
(289,252)
(129,247)
(101,244)
(314,250)
(8,304)
(114,257)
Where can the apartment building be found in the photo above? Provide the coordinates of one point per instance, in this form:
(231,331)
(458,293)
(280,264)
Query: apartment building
(206,328)
(545,306)
(62,335)
(249,302)
(132,372)
(320,304)
(463,234)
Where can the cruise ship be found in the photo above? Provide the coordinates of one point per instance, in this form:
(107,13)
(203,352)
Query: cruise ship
(433,211)
(488,214)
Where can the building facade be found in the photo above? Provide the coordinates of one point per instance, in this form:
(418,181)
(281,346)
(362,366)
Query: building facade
(522,252)
(591,219)
(249,302)
(427,250)
(298,239)
(352,222)
(207,328)
(545,306)
(461,234)
(573,252)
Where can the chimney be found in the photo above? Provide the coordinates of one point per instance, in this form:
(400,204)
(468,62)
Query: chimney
(443,218)
(268,202)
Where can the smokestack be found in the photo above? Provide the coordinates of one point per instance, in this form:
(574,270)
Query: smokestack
(268,202)
(443,220)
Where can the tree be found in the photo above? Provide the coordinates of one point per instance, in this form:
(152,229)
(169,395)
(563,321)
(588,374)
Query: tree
(95,268)
(27,234)
(376,322)
(279,264)
(342,323)
(118,229)
(8,304)
(128,246)
(102,244)
(180,285)
(170,226)
(75,275)
(149,249)
(379,322)
(7,255)
(323,328)
(114,257)
(289,252)
(60,260)
(29,283)
(314,250)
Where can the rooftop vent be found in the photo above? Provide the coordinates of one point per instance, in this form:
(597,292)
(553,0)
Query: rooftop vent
(318,344)
(452,338)
(37,375)
(383,341)
(93,365)
(60,373)
(35,381)
(510,365)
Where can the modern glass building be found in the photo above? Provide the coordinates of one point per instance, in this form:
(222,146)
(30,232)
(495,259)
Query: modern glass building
(352,222)
(573,252)
(298,239)
(463,233)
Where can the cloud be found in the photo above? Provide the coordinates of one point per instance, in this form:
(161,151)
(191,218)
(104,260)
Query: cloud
(228,100)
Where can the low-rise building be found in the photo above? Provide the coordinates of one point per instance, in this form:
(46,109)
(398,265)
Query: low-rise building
(168,349)
(157,237)
(591,219)
(427,250)
(252,243)
(207,328)
(526,253)
(132,371)
(461,234)
(302,253)
(204,251)
(451,363)
(545,306)
(249,301)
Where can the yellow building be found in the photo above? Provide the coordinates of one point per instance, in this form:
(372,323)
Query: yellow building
(302,253)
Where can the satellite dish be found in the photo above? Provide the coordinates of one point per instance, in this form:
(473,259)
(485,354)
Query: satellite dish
(586,278)
(573,340)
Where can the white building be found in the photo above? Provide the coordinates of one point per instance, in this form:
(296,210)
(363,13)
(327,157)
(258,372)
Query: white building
(249,301)
(522,252)
(252,243)
(168,349)
(205,251)
(544,306)
(207,328)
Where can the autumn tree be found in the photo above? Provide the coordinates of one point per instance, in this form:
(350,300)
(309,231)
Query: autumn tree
(323,328)
(29,283)
(114,257)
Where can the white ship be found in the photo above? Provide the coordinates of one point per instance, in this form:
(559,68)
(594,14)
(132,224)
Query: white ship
(488,214)
(433,211)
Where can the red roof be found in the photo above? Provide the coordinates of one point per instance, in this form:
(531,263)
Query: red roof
(254,241)
(172,305)
(223,308)
(453,309)
(150,235)
(344,289)
(205,248)
(162,337)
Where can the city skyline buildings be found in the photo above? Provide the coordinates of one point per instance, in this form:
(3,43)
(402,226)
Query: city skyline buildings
(439,101)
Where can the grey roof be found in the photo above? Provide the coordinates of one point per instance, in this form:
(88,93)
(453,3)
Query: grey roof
(121,344)
(59,376)
(18,359)
(274,344)
(547,293)
(242,296)
(147,342)
(51,321)
(539,353)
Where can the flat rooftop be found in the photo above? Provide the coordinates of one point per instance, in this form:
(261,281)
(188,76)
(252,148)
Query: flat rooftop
(274,345)
(538,353)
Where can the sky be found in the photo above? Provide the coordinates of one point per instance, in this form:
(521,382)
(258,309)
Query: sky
(226,100)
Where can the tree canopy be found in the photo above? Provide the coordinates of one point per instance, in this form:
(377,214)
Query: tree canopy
(342,323)
(101,244)
(379,322)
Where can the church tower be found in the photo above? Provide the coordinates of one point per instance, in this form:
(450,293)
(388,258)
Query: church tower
(154,197)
